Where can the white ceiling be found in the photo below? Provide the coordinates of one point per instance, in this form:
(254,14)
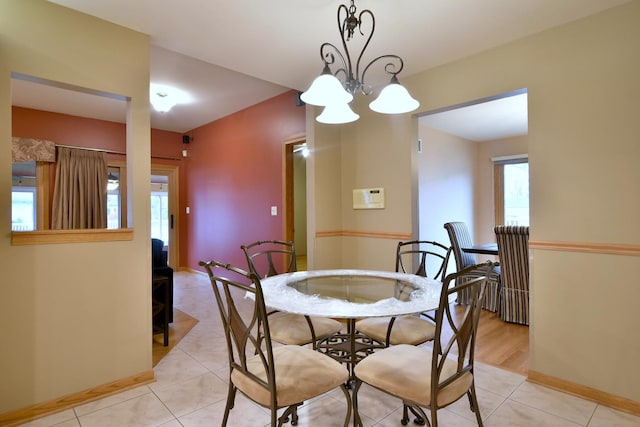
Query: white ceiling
(487,120)
(232,54)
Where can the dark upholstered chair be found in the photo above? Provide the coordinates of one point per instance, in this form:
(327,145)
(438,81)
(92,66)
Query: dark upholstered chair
(160,267)
(432,378)
(513,247)
(270,257)
(430,260)
(281,377)
(461,238)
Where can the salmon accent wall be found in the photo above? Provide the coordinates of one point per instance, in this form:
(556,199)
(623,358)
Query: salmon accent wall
(233,178)
(64,129)
(84,132)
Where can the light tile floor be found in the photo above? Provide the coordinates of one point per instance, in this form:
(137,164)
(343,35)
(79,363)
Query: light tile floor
(191,387)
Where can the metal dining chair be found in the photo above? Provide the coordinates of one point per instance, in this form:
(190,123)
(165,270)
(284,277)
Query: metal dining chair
(432,378)
(431,259)
(270,257)
(461,238)
(275,378)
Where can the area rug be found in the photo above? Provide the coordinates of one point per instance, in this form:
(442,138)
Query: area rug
(182,324)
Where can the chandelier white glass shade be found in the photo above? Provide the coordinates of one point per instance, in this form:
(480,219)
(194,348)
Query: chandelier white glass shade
(337,113)
(326,89)
(334,94)
(394,99)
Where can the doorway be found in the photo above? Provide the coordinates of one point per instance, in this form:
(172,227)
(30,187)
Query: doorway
(295,210)
(164,208)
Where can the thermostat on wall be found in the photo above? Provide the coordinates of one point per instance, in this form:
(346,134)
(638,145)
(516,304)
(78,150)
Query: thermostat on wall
(368,198)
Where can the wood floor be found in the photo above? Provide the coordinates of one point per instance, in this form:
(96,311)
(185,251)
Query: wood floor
(501,344)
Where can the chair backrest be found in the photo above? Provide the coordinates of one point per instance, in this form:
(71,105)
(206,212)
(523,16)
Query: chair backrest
(270,257)
(430,258)
(513,250)
(460,238)
(244,321)
(158,255)
(460,345)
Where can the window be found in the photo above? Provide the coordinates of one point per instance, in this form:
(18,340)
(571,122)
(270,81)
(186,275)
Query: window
(113,198)
(23,196)
(23,208)
(511,181)
(29,201)
(160,209)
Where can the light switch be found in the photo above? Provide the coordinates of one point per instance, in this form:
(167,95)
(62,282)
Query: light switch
(274,210)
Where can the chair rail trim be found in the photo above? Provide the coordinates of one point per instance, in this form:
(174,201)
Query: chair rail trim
(357,233)
(587,247)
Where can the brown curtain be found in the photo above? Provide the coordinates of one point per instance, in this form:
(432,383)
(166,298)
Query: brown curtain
(80,192)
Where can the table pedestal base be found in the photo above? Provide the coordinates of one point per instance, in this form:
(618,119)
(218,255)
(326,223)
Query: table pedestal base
(349,348)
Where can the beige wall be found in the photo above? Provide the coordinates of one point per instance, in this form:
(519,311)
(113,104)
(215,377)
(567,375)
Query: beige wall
(447,184)
(583,88)
(74,316)
(371,152)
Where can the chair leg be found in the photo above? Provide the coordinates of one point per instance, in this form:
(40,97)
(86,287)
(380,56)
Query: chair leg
(434,416)
(420,417)
(231,397)
(473,400)
(291,411)
(418,420)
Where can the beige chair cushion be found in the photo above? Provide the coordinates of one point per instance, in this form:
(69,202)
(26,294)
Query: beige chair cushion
(301,373)
(405,371)
(406,329)
(287,328)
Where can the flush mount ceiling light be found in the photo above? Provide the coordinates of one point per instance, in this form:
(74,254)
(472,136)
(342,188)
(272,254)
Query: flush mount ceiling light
(163,98)
(330,92)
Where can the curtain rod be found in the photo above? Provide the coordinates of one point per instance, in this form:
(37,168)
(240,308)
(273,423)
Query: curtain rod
(123,153)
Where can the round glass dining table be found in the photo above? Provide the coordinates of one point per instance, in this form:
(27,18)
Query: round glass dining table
(351,295)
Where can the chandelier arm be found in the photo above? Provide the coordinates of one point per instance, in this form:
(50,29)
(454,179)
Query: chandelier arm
(342,28)
(360,77)
(329,58)
(389,68)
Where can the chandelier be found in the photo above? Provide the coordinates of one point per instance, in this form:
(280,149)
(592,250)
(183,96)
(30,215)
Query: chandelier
(334,94)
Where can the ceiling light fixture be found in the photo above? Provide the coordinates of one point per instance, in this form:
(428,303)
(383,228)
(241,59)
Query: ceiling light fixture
(162,103)
(163,98)
(330,92)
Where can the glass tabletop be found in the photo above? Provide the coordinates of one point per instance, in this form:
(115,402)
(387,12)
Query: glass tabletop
(351,293)
(355,288)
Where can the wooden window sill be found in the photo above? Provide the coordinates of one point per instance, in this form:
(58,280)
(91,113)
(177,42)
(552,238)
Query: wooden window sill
(45,237)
